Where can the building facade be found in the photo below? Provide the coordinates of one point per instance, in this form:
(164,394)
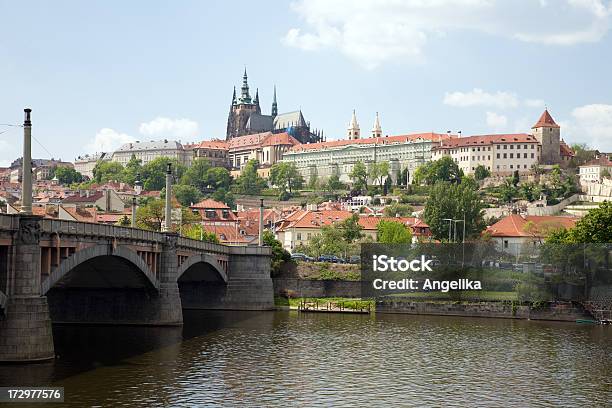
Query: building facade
(215,151)
(267,148)
(149,151)
(595,170)
(85,164)
(338,157)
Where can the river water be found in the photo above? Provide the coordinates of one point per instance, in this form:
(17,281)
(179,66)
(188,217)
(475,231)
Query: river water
(291,359)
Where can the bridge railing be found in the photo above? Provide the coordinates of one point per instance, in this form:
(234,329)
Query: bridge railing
(9,222)
(202,245)
(99,230)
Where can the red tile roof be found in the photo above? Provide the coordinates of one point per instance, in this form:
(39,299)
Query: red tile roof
(435,137)
(228,234)
(565,150)
(213,144)
(484,140)
(601,161)
(514,225)
(92,198)
(280,139)
(545,121)
(207,203)
(248,140)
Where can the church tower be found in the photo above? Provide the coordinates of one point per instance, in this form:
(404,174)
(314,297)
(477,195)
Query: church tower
(376,129)
(353,132)
(274,105)
(548,133)
(241,109)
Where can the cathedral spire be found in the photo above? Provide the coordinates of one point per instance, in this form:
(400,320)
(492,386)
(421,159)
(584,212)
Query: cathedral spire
(256,100)
(244,96)
(234,96)
(274,105)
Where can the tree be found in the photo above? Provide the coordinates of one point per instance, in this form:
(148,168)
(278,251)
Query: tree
(186,194)
(197,174)
(154,172)
(530,191)
(151,215)
(393,232)
(359,176)
(481,172)
(279,254)
(405,174)
(398,210)
(582,154)
(351,230)
(313,182)
(224,196)
(131,170)
(457,202)
(329,242)
(66,175)
(286,176)
(105,171)
(595,227)
(605,173)
(218,177)
(250,182)
(507,191)
(196,231)
(443,169)
(378,171)
(333,184)
(124,221)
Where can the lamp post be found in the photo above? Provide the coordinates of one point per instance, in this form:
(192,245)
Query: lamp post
(261,218)
(450,227)
(167,221)
(134,212)
(26,165)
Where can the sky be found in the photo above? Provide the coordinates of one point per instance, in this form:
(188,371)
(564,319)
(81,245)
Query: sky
(101,73)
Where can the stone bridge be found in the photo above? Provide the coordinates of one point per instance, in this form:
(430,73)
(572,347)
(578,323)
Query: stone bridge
(73,272)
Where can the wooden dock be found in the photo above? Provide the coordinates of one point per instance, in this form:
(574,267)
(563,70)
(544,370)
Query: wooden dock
(333,307)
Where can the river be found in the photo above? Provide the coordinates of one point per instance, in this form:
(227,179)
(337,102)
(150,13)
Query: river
(291,359)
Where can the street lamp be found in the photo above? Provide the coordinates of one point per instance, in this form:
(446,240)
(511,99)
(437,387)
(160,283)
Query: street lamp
(450,227)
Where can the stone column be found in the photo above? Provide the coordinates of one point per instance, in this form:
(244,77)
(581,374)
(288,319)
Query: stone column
(170,310)
(25,333)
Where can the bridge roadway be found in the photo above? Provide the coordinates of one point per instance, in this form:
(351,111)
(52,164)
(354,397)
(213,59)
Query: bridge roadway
(74,272)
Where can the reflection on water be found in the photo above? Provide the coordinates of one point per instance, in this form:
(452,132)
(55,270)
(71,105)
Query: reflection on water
(254,359)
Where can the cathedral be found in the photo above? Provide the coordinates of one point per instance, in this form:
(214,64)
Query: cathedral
(245,118)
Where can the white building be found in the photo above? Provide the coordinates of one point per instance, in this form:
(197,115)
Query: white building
(85,164)
(339,156)
(500,154)
(592,171)
(149,151)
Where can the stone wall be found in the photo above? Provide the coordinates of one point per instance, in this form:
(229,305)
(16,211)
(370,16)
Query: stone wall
(317,288)
(552,311)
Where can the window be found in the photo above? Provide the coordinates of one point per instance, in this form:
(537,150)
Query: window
(518,147)
(505,147)
(511,166)
(498,156)
(532,155)
(511,147)
(505,243)
(511,155)
(299,236)
(505,155)
(531,147)
(524,155)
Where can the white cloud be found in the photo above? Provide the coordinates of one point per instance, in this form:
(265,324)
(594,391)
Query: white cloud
(496,121)
(478,97)
(107,140)
(372,32)
(170,128)
(591,124)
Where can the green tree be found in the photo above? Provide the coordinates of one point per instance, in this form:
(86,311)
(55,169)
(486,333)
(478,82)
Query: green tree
(105,171)
(595,227)
(250,182)
(329,242)
(218,177)
(313,181)
(66,175)
(131,170)
(124,221)
(508,191)
(333,184)
(530,191)
(351,229)
(515,178)
(443,169)
(154,173)
(404,175)
(398,210)
(359,176)
(279,255)
(393,232)
(224,196)
(186,194)
(457,202)
(605,173)
(286,176)
(196,231)
(151,215)
(197,174)
(379,171)
(481,172)
(582,154)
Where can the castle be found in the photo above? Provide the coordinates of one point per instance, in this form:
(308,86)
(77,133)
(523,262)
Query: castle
(245,118)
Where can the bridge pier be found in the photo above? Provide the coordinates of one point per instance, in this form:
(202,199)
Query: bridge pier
(168,303)
(25,331)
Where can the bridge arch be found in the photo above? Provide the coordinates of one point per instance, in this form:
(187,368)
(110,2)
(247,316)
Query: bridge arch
(202,260)
(87,255)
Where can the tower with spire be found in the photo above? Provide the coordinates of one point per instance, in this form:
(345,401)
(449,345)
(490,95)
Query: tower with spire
(548,133)
(245,117)
(376,129)
(353,132)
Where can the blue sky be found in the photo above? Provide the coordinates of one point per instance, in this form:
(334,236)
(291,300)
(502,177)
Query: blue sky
(100,73)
